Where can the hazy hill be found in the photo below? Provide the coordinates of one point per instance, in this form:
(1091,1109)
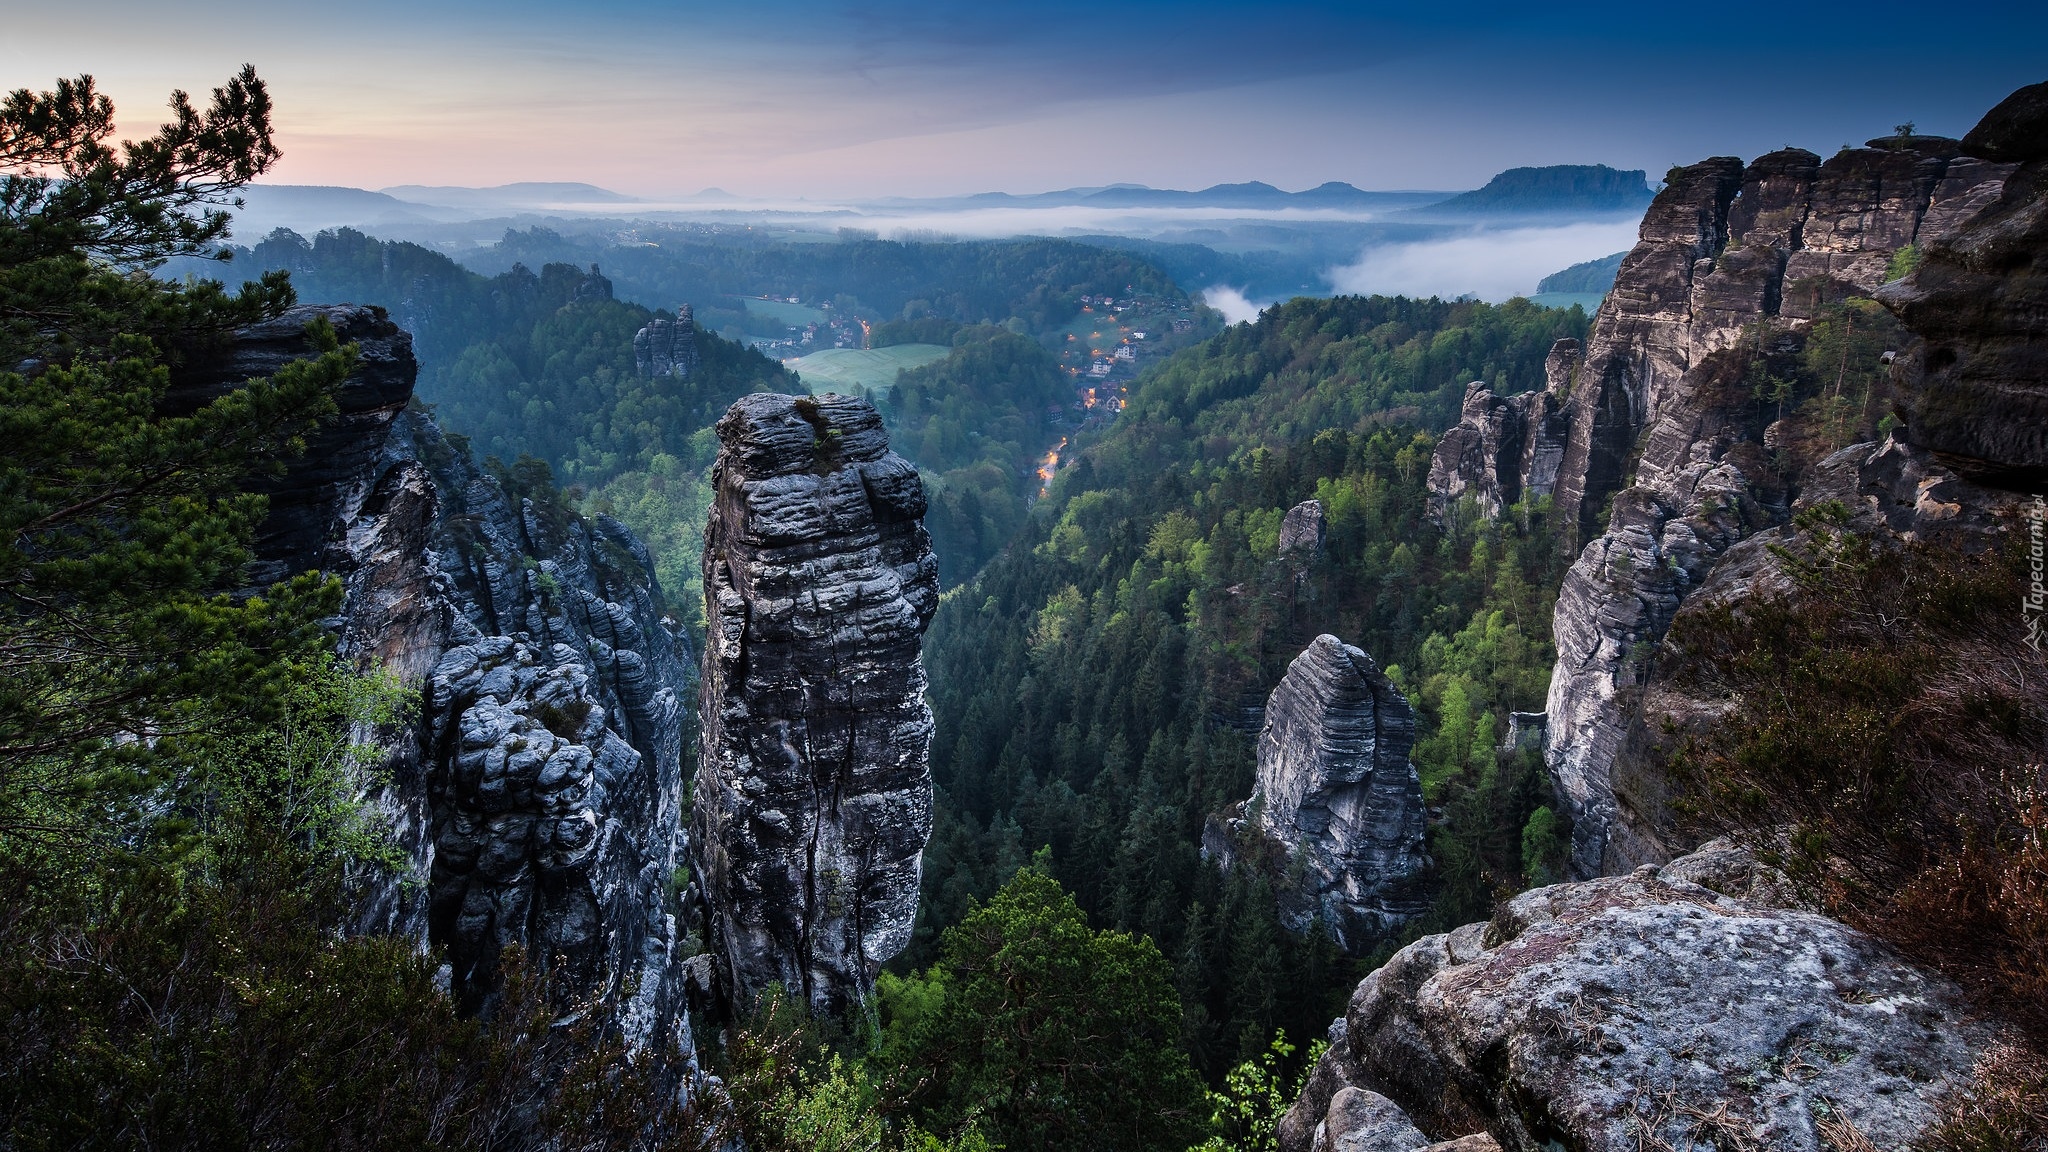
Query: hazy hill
(1591,276)
(1555,189)
(509,197)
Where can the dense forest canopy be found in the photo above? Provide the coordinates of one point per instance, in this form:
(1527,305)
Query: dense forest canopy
(541,364)
(1088,683)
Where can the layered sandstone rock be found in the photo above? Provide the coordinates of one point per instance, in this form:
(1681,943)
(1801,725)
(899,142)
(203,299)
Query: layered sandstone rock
(536,792)
(813,792)
(1649,1010)
(1670,461)
(1303,529)
(1505,450)
(1337,806)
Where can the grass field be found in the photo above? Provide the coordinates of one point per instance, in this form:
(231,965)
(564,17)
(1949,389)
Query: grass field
(839,369)
(784,312)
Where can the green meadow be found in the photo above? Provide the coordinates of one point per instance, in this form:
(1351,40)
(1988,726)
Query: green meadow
(839,369)
(785,312)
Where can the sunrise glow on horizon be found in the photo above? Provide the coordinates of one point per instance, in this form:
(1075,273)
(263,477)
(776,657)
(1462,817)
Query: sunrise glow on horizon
(820,100)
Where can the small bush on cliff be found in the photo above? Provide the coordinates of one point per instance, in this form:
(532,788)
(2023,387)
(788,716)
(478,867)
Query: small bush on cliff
(1890,711)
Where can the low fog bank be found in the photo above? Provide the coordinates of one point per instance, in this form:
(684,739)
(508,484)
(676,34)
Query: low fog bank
(1233,303)
(1490,264)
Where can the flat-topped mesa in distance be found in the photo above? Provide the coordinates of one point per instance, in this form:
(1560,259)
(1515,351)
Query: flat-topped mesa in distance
(1337,802)
(813,793)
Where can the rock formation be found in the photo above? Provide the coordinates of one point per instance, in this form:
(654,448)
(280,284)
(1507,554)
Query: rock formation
(1303,529)
(1337,805)
(1669,463)
(1504,450)
(813,791)
(668,347)
(537,792)
(1681,1007)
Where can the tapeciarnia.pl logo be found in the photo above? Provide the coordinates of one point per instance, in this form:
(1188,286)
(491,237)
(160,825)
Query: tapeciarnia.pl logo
(2035,602)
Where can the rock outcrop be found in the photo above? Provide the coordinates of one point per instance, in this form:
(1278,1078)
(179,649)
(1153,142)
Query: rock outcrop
(1303,529)
(1337,806)
(1670,462)
(813,791)
(1648,1010)
(1504,450)
(668,347)
(536,793)
(555,731)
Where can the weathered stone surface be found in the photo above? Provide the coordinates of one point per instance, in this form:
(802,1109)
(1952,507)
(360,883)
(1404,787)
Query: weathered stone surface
(1480,458)
(563,612)
(1976,389)
(1505,450)
(1361,1120)
(2015,131)
(1336,801)
(537,793)
(668,347)
(1724,250)
(1595,1014)
(1303,529)
(324,488)
(813,793)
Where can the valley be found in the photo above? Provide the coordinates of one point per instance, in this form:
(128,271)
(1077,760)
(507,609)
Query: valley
(537,667)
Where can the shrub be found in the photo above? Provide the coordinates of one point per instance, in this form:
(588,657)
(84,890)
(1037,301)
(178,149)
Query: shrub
(1890,712)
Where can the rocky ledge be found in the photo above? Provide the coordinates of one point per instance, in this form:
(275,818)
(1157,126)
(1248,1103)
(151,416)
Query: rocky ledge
(1337,807)
(1687,1006)
(813,792)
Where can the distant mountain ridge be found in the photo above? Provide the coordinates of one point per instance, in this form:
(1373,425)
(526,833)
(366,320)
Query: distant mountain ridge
(1557,188)
(526,194)
(1254,195)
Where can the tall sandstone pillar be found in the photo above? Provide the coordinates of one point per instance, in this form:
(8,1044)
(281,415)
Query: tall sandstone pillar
(813,792)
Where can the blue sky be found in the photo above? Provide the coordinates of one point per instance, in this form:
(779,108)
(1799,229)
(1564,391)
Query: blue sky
(819,99)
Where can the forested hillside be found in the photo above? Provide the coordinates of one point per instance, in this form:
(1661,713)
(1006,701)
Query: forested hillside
(541,364)
(1091,685)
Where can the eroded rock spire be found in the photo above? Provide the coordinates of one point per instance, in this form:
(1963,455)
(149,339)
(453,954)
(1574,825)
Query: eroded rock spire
(813,793)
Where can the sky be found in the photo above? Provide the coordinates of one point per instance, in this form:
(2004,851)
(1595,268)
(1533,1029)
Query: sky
(823,100)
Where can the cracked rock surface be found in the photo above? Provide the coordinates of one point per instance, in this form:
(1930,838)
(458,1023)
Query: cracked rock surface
(1658,461)
(1337,806)
(1596,1015)
(537,792)
(813,793)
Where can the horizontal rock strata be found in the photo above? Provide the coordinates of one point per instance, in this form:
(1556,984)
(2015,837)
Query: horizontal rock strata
(813,793)
(1337,805)
(1669,463)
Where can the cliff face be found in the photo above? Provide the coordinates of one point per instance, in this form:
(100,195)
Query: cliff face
(1337,804)
(1670,463)
(537,790)
(813,791)
(1682,1006)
